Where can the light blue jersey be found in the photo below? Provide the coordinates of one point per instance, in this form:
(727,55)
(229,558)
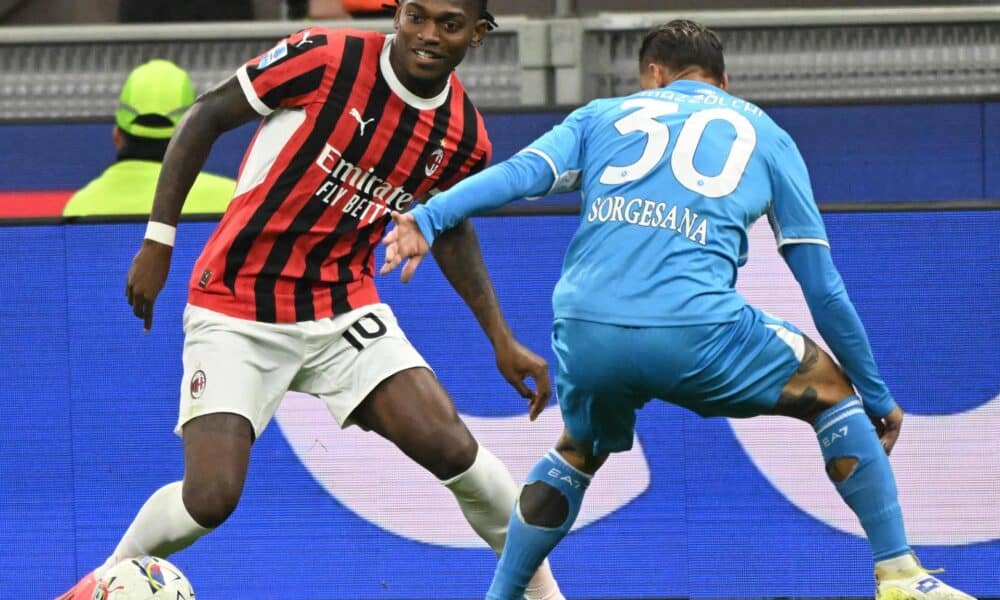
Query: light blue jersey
(672,179)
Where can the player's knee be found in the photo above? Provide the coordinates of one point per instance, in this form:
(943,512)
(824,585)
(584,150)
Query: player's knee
(818,384)
(580,454)
(542,505)
(840,468)
(211,504)
(453,453)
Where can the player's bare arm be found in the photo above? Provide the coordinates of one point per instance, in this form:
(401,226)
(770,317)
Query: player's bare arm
(457,253)
(214,113)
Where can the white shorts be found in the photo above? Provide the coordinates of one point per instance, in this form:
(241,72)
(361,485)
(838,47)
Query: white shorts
(245,367)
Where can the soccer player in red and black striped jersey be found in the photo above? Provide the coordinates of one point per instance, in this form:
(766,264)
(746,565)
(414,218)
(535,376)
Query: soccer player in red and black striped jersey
(356,124)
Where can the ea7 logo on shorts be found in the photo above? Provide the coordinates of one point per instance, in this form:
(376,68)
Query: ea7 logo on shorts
(274,54)
(198,384)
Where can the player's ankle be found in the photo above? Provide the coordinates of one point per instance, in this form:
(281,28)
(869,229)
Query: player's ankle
(903,563)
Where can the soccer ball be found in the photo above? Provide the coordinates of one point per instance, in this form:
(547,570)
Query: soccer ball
(144,578)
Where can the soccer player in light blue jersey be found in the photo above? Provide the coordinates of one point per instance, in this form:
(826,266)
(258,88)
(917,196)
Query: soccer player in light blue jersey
(672,179)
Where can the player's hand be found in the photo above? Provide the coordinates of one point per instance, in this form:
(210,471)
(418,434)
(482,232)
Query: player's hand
(888,428)
(146,277)
(516,363)
(404,242)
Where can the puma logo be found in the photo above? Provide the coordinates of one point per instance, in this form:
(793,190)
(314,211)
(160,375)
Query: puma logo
(357,117)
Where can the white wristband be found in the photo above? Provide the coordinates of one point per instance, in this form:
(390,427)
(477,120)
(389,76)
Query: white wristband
(161,233)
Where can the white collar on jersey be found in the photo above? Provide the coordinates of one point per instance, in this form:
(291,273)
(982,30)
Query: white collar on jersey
(397,86)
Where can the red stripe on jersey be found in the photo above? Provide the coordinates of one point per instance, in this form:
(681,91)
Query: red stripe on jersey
(389,119)
(363,147)
(240,300)
(300,245)
(304,192)
(476,162)
(291,73)
(456,129)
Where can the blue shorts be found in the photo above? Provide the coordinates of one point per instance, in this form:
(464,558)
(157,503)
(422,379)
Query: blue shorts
(607,372)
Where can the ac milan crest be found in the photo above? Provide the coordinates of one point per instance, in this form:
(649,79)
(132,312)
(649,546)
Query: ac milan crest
(198,383)
(434,162)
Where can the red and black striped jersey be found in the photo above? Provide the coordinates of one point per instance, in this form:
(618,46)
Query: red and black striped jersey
(342,143)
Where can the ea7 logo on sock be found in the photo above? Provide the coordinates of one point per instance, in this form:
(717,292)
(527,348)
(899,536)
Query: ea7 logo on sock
(928,584)
(400,494)
(576,484)
(827,440)
(973,513)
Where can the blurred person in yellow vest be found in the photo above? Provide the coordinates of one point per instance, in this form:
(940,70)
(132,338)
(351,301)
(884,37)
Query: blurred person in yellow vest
(152,101)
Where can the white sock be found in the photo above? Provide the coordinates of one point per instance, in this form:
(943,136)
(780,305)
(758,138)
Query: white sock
(486,494)
(162,527)
(897,564)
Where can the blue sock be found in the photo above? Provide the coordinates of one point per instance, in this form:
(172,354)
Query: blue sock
(844,431)
(528,545)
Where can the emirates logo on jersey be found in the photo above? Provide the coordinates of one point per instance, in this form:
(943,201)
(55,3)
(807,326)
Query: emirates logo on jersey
(434,163)
(357,191)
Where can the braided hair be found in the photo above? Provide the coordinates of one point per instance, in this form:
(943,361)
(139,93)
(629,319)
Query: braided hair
(491,22)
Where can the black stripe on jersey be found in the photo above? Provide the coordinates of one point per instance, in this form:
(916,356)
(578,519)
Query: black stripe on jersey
(470,135)
(438,131)
(297,49)
(239,250)
(309,214)
(303,84)
(398,143)
(405,124)
(354,153)
(479,166)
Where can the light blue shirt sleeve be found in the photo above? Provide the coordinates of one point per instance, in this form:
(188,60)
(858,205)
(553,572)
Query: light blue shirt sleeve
(562,149)
(793,214)
(838,322)
(524,174)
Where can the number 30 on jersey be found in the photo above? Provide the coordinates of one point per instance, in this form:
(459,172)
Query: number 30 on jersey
(682,158)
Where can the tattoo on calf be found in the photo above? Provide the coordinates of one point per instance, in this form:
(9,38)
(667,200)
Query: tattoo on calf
(809,358)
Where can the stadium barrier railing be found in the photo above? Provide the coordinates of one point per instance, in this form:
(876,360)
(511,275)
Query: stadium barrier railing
(774,56)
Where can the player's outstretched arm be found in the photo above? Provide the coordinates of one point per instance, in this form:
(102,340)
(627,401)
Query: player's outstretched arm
(413,233)
(523,175)
(214,113)
(457,253)
(839,324)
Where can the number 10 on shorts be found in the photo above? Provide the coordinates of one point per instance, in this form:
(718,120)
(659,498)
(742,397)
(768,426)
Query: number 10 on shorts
(368,327)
